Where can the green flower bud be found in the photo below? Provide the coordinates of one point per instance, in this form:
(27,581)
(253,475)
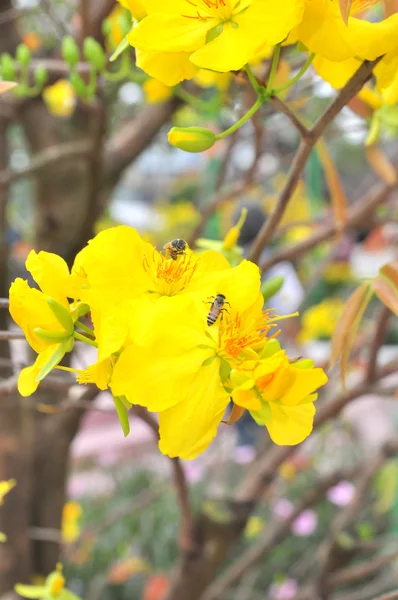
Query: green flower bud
(62,314)
(41,76)
(107,27)
(191,139)
(94,53)
(270,287)
(51,336)
(23,55)
(70,51)
(7,67)
(78,84)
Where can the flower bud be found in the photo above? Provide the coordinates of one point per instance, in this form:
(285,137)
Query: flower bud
(7,67)
(272,286)
(94,53)
(78,84)
(41,76)
(23,55)
(70,51)
(191,139)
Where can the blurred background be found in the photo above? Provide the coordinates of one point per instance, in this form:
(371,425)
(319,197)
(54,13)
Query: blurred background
(70,167)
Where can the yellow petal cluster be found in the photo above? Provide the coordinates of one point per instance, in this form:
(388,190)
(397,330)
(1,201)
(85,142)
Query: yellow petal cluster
(157,347)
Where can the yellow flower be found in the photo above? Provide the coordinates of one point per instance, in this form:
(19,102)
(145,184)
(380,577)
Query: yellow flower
(320,321)
(323,31)
(5,487)
(220,35)
(155,91)
(279,395)
(60,98)
(254,526)
(54,587)
(71,514)
(182,365)
(136,7)
(45,317)
(116,33)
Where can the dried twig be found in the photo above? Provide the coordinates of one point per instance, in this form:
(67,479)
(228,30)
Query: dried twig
(379,335)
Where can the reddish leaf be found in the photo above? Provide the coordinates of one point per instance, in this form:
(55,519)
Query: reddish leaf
(361,108)
(381,164)
(337,194)
(345,332)
(156,587)
(6,85)
(123,570)
(386,286)
(236,413)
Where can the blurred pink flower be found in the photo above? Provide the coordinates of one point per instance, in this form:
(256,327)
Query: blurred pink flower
(283,591)
(342,493)
(245,455)
(193,472)
(282,509)
(305,524)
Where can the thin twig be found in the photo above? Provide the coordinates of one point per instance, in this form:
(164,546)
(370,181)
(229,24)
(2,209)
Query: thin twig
(287,111)
(352,87)
(186,533)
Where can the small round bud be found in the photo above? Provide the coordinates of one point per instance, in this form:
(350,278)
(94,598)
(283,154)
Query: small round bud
(191,139)
(94,53)
(7,67)
(23,55)
(41,76)
(70,51)
(78,84)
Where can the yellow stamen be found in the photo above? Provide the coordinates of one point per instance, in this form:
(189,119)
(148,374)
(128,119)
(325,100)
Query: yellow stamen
(170,276)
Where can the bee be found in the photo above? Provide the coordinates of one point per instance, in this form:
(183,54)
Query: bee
(175,248)
(217,308)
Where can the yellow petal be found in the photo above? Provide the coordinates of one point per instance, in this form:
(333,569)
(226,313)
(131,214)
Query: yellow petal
(29,309)
(170,33)
(5,487)
(290,425)
(27,383)
(136,7)
(168,67)
(51,273)
(187,429)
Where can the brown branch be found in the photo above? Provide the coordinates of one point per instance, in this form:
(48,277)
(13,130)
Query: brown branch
(352,87)
(357,213)
(47,158)
(85,19)
(389,596)
(186,535)
(378,339)
(272,536)
(287,111)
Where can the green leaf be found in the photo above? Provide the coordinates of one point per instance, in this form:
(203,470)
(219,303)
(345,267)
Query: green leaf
(30,591)
(122,414)
(62,314)
(53,361)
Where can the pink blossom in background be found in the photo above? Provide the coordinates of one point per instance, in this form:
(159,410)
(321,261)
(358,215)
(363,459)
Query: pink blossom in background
(342,493)
(305,524)
(282,509)
(193,471)
(283,591)
(245,455)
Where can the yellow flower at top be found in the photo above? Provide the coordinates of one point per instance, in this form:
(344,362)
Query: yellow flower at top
(220,35)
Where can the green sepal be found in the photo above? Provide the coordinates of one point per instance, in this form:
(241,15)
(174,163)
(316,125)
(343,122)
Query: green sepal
(69,344)
(80,310)
(119,50)
(51,336)
(62,315)
(271,287)
(126,403)
(122,414)
(52,362)
(225,371)
(305,363)
(208,361)
(271,347)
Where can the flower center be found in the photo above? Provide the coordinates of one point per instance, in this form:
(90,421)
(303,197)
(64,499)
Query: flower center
(170,276)
(222,10)
(235,340)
